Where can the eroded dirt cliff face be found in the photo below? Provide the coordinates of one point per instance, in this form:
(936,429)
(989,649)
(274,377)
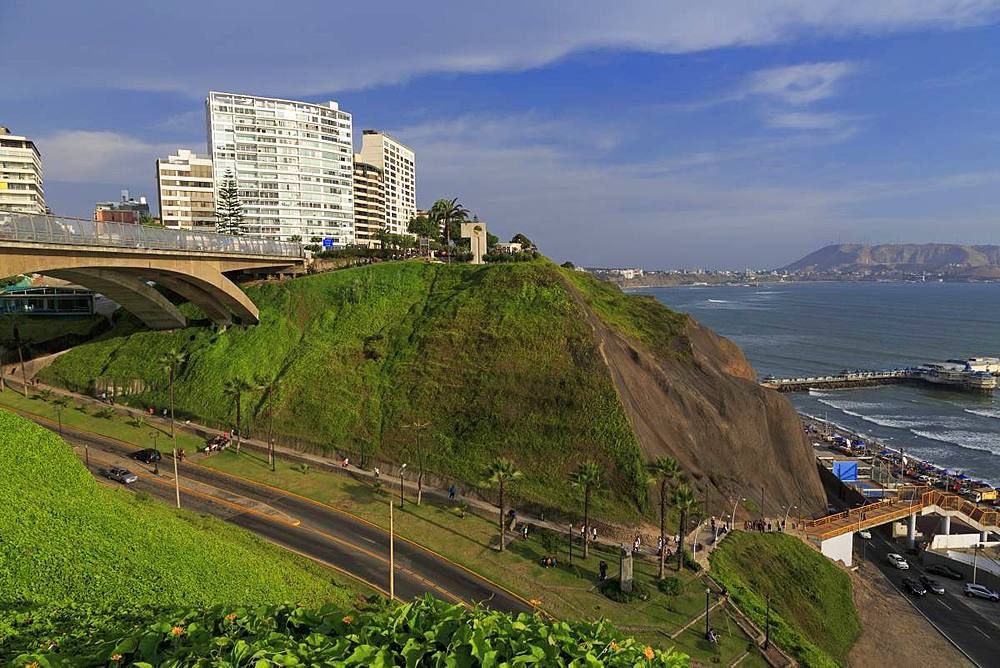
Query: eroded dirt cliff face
(702,406)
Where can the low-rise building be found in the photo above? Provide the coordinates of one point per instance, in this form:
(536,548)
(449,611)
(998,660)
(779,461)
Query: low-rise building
(186,189)
(20,174)
(125,210)
(511,248)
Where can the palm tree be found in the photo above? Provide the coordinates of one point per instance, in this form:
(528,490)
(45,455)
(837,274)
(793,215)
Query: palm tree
(685,500)
(586,477)
(445,212)
(500,473)
(235,388)
(269,384)
(169,362)
(665,471)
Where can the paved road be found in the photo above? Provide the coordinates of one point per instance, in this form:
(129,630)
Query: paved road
(322,532)
(972,624)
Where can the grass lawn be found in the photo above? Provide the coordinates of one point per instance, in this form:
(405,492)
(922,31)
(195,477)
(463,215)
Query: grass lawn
(101,421)
(566,592)
(812,610)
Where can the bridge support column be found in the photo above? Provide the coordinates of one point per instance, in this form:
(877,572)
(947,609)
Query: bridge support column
(911,531)
(983,536)
(133,294)
(946,525)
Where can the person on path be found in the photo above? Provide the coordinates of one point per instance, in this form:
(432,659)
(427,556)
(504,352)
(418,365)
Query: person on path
(603,566)
(524,530)
(593,535)
(378,473)
(451,492)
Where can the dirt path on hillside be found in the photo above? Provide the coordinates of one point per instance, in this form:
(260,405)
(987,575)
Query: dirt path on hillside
(894,633)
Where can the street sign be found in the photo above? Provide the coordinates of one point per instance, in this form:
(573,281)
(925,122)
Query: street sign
(327,243)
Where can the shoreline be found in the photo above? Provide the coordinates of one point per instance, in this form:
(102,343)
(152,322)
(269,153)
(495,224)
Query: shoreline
(898,456)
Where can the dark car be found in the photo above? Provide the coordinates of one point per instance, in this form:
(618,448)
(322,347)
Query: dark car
(945,571)
(914,587)
(119,474)
(148,456)
(931,584)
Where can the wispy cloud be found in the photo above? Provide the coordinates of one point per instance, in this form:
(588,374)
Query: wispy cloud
(807,120)
(799,84)
(98,156)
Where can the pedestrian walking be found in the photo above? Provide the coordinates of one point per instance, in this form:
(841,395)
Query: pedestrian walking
(451,492)
(377,473)
(593,535)
(524,530)
(603,566)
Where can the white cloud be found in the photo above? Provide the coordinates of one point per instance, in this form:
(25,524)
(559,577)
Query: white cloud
(99,156)
(799,84)
(291,49)
(805,120)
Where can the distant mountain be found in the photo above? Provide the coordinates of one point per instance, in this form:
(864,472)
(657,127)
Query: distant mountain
(945,259)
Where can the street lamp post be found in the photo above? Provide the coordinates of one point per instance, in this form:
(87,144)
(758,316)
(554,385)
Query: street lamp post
(156,462)
(177,480)
(787,510)
(402,470)
(732,518)
(570,536)
(975,560)
(392,557)
(708,593)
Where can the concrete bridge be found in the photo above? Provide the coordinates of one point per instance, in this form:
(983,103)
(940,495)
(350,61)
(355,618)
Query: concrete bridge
(121,261)
(834,533)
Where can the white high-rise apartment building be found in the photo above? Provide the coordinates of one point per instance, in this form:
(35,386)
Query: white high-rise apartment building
(292,161)
(399,177)
(186,189)
(20,174)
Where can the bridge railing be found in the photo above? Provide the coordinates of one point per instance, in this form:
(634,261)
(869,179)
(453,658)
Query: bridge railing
(79,232)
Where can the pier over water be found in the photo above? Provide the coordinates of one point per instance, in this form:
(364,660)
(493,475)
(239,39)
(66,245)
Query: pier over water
(976,374)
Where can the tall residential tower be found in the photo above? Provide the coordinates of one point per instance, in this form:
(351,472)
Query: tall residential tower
(399,177)
(186,189)
(20,174)
(369,204)
(292,162)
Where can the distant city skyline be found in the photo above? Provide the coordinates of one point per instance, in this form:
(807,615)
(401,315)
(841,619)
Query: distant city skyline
(655,135)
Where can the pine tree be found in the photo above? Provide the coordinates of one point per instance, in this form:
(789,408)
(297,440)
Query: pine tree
(229,209)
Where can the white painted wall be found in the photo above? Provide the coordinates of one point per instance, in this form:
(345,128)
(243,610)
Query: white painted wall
(840,548)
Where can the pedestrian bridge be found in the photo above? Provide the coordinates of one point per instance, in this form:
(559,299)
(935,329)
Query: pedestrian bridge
(123,262)
(835,532)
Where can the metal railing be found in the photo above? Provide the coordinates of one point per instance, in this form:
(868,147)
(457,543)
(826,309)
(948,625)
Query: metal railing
(36,228)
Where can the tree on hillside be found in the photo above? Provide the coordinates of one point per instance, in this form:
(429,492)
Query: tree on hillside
(586,478)
(446,213)
(685,501)
(235,388)
(665,471)
(523,240)
(418,428)
(501,473)
(424,226)
(568,265)
(170,361)
(229,209)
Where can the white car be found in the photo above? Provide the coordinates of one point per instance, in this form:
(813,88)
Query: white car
(898,561)
(981,591)
(866,534)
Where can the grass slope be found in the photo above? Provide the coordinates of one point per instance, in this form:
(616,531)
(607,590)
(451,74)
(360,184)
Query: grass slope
(812,610)
(497,360)
(65,539)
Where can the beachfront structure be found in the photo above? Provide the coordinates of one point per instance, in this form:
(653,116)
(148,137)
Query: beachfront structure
(185,187)
(20,174)
(126,209)
(399,177)
(293,165)
(369,204)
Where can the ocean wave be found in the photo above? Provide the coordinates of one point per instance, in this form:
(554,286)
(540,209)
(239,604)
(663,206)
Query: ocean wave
(986,412)
(892,421)
(718,301)
(849,406)
(817,393)
(969,440)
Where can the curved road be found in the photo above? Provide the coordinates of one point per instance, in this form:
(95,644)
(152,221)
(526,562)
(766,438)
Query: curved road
(323,533)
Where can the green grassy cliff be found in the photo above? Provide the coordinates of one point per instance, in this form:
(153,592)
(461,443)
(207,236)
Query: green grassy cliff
(497,360)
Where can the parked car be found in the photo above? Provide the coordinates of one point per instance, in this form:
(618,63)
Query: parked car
(148,456)
(914,587)
(118,474)
(897,561)
(945,571)
(980,591)
(931,584)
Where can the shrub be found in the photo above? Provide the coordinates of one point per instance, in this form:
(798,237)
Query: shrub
(612,589)
(670,586)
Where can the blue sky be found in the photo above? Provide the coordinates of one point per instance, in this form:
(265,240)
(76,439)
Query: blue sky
(660,134)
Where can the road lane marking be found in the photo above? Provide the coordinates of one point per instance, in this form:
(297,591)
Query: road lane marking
(944,604)
(980,630)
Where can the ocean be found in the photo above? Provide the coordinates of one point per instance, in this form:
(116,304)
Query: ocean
(821,328)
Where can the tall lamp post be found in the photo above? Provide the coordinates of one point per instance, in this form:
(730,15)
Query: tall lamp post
(402,470)
(392,557)
(177,480)
(732,518)
(156,462)
(708,593)
(975,560)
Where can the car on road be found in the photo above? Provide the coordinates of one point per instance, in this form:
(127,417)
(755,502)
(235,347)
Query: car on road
(980,591)
(944,570)
(897,561)
(932,584)
(914,587)
(867,535)
(119,474)
(148,456)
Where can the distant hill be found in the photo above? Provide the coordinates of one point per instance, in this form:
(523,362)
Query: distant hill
(947,259)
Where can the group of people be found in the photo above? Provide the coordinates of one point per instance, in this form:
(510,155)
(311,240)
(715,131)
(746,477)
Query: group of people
(548,562)
(220,442)
(761,526)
